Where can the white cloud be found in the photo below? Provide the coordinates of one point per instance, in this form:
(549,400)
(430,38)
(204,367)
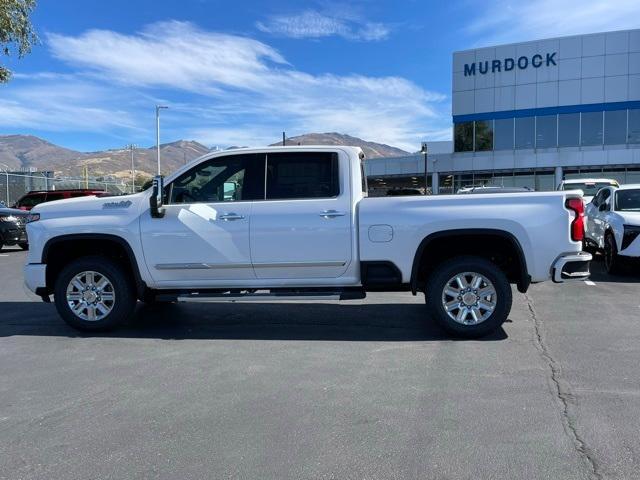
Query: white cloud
(313,24)
(242,91)
(504,21)
(56,102)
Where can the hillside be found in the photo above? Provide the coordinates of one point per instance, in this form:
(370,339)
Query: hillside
(370,149)
(24,152)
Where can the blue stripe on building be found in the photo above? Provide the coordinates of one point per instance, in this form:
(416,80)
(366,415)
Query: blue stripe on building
(539,112)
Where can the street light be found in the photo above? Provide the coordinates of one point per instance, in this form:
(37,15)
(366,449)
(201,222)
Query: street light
(158,108)
(131,148)
(423,150)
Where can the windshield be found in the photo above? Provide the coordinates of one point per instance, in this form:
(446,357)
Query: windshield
(628,200)
(589,188)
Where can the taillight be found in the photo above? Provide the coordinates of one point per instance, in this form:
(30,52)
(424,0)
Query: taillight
(577,226)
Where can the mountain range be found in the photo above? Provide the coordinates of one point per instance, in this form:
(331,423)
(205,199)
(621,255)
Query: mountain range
(25,152)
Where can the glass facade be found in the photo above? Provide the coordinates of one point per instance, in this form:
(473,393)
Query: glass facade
(615,127)
(611,127)
(503,134)
(591,129)
(484,136)
(547,131)
(525,132)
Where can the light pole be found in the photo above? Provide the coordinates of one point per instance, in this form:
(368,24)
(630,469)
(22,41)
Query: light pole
(158,108)
(424,151)
(131,148)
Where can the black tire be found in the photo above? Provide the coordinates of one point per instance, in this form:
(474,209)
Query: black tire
(611,258)
(122,286)
(446,271)
(24,246)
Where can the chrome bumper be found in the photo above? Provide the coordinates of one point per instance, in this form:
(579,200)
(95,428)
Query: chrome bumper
(574,266)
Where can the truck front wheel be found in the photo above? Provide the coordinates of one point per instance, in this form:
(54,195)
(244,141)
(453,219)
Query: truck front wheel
(94,293)
(468,296)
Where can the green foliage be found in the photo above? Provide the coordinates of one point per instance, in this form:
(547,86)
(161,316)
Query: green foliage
(16,32)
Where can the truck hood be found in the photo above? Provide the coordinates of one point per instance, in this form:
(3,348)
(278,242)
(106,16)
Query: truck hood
(630,218)
(91,205)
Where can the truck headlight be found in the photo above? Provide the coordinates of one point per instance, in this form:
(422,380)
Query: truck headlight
(9,218)
(32,217)
(631,232)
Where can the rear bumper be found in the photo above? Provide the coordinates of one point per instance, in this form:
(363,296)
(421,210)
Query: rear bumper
(573,266)
(35,276)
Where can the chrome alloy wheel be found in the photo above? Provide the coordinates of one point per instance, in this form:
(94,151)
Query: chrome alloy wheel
(469,298)
(90,296)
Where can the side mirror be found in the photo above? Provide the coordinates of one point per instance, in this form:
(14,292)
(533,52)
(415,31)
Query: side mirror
(155,201)
(602,207)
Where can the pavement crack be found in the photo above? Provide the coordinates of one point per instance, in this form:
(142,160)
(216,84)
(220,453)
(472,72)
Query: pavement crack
(562,390)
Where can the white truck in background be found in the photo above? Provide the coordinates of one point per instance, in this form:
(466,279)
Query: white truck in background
(296,223)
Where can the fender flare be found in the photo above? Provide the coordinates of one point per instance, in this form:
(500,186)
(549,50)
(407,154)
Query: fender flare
(524,279)
(141,286)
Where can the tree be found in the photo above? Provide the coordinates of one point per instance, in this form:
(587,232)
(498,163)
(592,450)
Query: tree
(16,31)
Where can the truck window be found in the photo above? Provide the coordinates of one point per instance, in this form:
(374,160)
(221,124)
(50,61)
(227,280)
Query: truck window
(232,178)
(297,175)
(31,201)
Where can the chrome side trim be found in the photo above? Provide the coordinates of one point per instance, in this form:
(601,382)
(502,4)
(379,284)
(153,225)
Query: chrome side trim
(299,264)
(213,266)
(200,266)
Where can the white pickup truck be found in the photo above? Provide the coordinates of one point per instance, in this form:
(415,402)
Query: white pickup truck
(295,222)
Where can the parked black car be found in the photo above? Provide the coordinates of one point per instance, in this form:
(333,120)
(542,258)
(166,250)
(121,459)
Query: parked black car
(12,228)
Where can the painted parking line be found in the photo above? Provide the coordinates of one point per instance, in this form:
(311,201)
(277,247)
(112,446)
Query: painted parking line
(590,283)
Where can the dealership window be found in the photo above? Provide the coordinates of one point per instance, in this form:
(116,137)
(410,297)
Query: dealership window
(503,134)
(546,131)
(525,132)
(463,137)
(591,133)
(484,135)
(569,130)
(634,126)
(615,127)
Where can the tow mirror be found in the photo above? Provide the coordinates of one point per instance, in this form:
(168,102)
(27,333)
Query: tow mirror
(155,201)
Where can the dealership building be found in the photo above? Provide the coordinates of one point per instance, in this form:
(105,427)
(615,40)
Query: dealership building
(533,113)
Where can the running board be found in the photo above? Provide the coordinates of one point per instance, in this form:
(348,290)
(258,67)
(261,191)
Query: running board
(263,295)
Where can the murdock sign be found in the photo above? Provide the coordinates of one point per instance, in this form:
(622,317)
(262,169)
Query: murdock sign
(508,64)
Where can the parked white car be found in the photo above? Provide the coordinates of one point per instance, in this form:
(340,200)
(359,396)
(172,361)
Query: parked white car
(589,186)
(613,224)
(296,223)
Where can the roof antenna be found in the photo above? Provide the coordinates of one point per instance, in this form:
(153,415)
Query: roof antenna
(283,139)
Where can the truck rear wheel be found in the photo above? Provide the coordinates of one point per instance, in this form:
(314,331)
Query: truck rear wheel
(468,296)
(94,293)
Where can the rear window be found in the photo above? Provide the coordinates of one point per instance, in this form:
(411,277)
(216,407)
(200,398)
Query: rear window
(589,188)
(51,197)
(299,175)
(31,200)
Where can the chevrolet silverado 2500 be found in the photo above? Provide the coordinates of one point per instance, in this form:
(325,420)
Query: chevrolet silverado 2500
(295,222)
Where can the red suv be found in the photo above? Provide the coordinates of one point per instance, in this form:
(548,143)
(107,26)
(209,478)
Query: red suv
(31,199)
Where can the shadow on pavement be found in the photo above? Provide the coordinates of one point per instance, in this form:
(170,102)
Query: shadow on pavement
(630,273)
(267,321)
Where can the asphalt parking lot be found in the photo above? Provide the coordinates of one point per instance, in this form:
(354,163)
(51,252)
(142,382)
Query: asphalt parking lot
(361,390)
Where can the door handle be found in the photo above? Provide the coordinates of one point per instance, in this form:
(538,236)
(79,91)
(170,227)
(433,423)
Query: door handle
(231,216)
(332,214)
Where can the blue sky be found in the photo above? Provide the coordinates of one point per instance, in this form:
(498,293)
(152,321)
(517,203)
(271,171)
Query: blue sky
(238,73)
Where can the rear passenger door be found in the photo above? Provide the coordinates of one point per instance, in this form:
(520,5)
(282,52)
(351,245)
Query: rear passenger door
(303,227)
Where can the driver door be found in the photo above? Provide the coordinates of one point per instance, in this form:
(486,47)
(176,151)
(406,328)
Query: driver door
(203,238)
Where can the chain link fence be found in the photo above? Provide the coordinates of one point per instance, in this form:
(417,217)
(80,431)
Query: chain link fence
(14,185)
